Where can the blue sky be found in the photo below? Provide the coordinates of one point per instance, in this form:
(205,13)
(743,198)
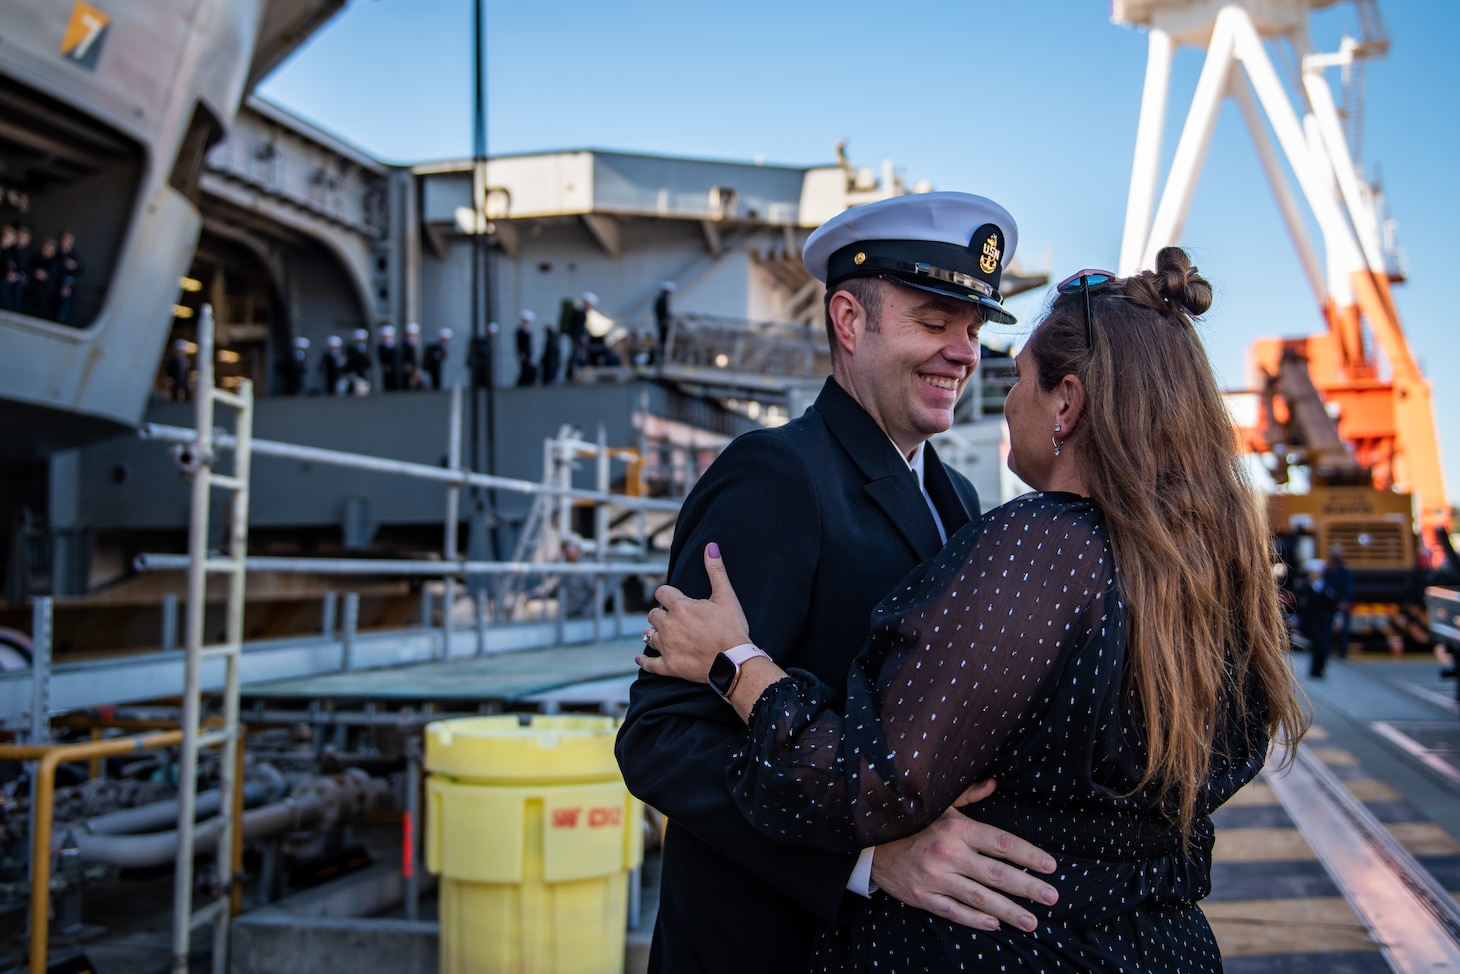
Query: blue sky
(1033,103)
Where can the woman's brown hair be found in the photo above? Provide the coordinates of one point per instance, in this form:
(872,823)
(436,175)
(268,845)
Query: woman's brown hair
(1192,547)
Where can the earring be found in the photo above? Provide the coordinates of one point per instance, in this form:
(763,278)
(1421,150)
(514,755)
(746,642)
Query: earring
(1055,440)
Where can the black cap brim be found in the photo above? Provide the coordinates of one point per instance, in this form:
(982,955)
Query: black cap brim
(993,310)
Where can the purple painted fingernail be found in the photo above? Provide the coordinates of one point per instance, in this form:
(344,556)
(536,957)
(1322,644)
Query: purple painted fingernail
(714,550)
(638,661)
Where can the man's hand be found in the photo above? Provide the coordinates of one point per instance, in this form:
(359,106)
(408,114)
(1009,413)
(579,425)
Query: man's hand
(948,869)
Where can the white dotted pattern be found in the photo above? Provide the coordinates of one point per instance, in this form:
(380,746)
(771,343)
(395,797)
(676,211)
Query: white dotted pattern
(1001,657)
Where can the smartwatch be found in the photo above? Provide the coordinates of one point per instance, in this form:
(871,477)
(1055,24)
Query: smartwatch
(725,670)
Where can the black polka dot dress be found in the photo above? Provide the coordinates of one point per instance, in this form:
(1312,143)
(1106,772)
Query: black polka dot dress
(1001,657)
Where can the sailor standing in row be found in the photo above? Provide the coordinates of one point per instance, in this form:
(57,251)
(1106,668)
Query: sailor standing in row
(295,368)
(389,357)
(526,369)
(436,356)
(411,358)
(662,318)
(357,363)
(333,366)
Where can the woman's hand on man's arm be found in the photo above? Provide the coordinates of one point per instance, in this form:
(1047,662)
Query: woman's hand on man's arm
(689,633)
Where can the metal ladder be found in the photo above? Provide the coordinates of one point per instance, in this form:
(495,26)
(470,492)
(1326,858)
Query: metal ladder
(548,517)
(198,461)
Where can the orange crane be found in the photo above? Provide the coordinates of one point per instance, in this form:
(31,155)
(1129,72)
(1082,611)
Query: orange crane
(1383,409)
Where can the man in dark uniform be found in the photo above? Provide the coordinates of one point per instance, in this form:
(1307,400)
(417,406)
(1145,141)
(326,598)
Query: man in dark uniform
(333,366)
(526,368)
(17,269)
(436,353)
(410,358)
(175,371)
(357,363)
(552,355)
(662,318)
(294,368)
(68,269)
(577,332)
(40,298)
(388,354)
(822,518)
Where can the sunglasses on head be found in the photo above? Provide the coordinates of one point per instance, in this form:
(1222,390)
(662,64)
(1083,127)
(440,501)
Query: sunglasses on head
(1083,281)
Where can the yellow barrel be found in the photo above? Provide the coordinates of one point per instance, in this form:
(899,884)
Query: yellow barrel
(533,834)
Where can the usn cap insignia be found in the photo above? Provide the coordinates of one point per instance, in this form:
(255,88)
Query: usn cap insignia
(989,240)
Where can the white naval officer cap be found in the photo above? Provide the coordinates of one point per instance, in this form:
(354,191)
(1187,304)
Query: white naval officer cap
(589,297)
(413,329)
(445,333)
(361,335)
(528,316)
(666,286)
(301,343)
(334,341)
(954,244)
(387,331)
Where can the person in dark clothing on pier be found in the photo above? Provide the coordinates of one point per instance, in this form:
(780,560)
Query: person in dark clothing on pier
(526,368)
(357,363)
(411,357)
(68,268)
(388,354)
(1338,579)
(552,354)
(333,366)
(436,354)
(294,368)
(15,262)
(1315,608)
(40,297)
(662,318)
(11,286)
(175,371)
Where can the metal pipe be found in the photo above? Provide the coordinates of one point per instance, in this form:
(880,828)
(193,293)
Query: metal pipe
(155,815)
(410,861)
(154,562)
(329,614)
(40,670)
(48,758)
(169,622)
(463,478)
(131,851)
(453,517)
(182,888)
(352,625)
(40,697)
(227,865)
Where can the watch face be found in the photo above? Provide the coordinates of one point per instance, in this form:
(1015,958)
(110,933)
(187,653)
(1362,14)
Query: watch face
(722,674)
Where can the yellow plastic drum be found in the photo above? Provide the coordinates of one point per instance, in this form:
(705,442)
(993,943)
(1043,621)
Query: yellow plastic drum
(533,834)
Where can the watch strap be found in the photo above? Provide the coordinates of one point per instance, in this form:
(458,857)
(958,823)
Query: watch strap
(745,651)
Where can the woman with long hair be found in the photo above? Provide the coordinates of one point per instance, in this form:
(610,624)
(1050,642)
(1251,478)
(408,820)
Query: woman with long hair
(1109,648)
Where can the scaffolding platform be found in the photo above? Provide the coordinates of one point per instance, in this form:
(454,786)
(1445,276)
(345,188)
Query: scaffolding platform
(604,669)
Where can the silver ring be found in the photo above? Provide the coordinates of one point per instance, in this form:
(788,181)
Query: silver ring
(649,636)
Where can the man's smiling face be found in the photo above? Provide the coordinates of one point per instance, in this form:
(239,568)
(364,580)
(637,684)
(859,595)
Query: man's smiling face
(909,367)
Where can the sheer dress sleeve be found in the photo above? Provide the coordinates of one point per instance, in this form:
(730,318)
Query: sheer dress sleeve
(963,659)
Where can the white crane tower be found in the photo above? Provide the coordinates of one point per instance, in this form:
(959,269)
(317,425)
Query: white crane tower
(1389,420)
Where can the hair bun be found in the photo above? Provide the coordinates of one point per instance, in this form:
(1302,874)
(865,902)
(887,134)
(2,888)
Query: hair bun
(1179,283)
